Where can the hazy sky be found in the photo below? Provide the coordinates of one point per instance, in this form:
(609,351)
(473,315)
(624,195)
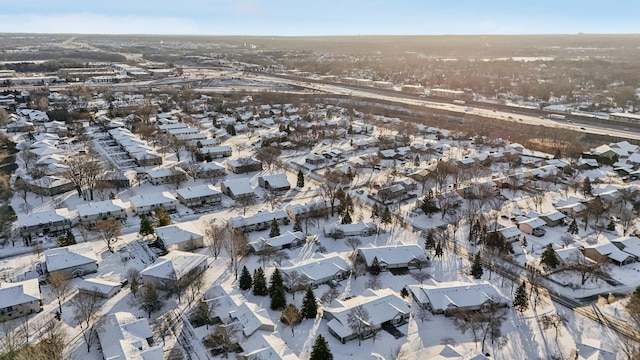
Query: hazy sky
(322,17)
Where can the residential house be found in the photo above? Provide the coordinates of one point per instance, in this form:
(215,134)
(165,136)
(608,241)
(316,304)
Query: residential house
(198,195)
(337,230)
(125,336)
(554,218)
(243,165)
(159,176)
(237,188)
(45,222)
(182,237)
(592,349)
(319,269)
(608,251)
(312,208)
(19,299)
(628,244)
(269,347)
(315,159)
(454,296)
(214,152)
(275,182)
(393,256)
(209,170)
(147,203)
(258,221)
(173,267)
(533,226)
(71,261)
(384,306)
(99,287)
(510,233)
(568,256)
(50,185)
(108,209)
(287,240)
(252,318)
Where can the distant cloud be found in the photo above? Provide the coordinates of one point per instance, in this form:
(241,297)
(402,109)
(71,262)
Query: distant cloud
(84,23)
(250,7)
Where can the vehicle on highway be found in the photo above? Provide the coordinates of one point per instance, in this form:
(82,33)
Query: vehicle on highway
(582,128)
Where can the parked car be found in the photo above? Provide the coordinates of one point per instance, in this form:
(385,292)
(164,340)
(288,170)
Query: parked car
(539,232)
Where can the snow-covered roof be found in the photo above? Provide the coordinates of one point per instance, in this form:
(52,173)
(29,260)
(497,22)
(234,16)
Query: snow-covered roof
(456,294)
(257,218)
(592,349)
(392,254)
(269,347)
(569,254)
(510,232)
(555,216)
(239,186)
(174,265)
(12,294)
(252,318)
(69,256)
(348,228)
(98,285)
(276,180)
(101,207)
(611,251)
(43,217)
(194,192)
(320,266)
(124,337)
(382,305)
(159,198)
(278,241)
(177,233)
(534,222)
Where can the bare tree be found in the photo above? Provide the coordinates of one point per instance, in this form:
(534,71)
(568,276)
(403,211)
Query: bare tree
(358,322)
(555,321)
(291,316)
(245,202)
(87,314)
(60,286)
(422,314)
(236,247)
(330,295)
(133,277)
(225,337)
(109,230)
(216,235)
(420,276)
(22,187)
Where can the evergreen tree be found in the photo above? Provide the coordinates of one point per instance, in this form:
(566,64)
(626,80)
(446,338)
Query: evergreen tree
(416,161)
(611,226)
(245,279)
(549,257)
(429,241)
(404,292)
(259,283)
(162,217)
(309,305)
(150,301)
(520,300)
(67,239)
(297,225)
(523,241)
(573,228)
(146,226)
(375,269)
(275,229)
(476,267)
(300,183)
(346,217)
(231,130)
(320,350)
(386,216)
(439,250)
(375,211)
(276,291)
(429,206)
(586,187)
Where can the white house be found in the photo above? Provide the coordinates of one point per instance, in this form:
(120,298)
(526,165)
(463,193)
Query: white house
(99,287)
(209,170)
(146,203)
(159,176)
(198,195)
(183,237)
(73,260)
(360,228)
(267,347)
(19,299)
(124,336)
(383,306)
(108,209)
(172,267)
(319,269)
(252,318)
(215,152)
(45,222)
(285,241)
(449,297)
(313,208)
(510,233)
(275,182)
(533,226)
(393,256)
(258,221)
(237,188)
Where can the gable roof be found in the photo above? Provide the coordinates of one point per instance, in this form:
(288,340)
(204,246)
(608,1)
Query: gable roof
(158,198)
(43,217)
(177,233)
(456,294)
(251,317)
(101,207)
(12,294)
(174,265)
(124,337)
(392,254)
(69,256)
(194,192)
(318,267)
